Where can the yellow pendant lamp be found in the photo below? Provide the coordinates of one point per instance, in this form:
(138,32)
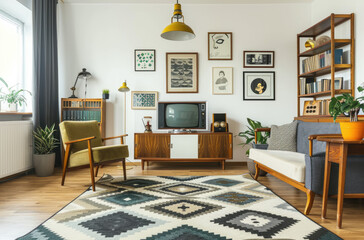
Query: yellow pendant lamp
(178,31)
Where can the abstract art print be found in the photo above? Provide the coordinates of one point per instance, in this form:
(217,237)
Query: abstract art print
(182,72)
(222,80)
(144,60)
(143,100)
(258,59)
(259,85)
(220,45)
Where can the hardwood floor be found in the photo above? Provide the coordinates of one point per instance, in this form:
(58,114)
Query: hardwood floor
(27,201)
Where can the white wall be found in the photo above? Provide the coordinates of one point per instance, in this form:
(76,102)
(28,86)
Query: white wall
(102,38)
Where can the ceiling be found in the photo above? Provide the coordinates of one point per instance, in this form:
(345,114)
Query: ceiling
(191,1)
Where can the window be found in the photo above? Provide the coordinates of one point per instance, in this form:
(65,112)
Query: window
(11,50)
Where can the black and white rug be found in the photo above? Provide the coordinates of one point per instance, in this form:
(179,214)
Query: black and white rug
(166,208)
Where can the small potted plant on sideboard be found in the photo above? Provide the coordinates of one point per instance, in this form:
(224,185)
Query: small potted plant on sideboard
(105,94)
(13,96)
(353,130)
(44,156)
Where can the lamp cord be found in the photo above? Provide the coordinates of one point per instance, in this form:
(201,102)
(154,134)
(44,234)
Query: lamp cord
(85,87)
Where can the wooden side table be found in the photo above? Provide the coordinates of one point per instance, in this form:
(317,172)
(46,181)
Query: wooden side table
(337,151)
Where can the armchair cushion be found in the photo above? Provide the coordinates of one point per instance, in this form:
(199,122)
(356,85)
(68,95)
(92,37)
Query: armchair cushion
(100,154)
(283,137)
(73,130)
(291,164)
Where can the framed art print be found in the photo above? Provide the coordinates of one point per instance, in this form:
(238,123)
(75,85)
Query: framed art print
(144,100)
(144,60)
(222,80)
(182,72)
(258,59)
(259,85)
(220,45)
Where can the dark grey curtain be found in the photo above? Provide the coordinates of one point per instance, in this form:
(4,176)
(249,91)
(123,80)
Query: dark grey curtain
(45,92)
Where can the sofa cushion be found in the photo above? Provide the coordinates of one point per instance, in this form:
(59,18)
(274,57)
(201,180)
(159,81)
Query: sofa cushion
(305,129)
(290,164)
(283,137)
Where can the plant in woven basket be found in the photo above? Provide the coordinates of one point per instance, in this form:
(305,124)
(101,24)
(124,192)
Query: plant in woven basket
(249,135)
(44,140)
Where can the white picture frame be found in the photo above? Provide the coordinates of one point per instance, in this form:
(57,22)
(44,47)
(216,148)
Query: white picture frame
(222,80)
(144,100)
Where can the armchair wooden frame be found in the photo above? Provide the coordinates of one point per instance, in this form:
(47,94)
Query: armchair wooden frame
(91,159)
(301,186)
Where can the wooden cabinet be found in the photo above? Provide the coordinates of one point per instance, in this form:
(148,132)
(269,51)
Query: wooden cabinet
(211,147)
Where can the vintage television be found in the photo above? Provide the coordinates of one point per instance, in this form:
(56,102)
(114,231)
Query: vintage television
(182,115)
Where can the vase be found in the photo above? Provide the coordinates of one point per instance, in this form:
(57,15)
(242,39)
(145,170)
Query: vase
(13,107)
(353,131)
(44,164)
(105,95)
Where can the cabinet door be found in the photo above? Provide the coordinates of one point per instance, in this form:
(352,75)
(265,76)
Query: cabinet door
(215,145)
(151,145)
(184,146)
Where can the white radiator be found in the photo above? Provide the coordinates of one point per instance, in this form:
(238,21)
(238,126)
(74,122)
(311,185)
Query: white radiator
(15,147)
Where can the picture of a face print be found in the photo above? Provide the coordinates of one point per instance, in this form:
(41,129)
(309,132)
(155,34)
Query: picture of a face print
(222,80)
(258,85)
(220,45)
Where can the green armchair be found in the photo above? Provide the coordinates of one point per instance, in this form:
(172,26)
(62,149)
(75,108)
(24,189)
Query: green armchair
(84,146)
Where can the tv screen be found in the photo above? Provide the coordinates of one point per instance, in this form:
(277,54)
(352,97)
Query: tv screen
(182,115)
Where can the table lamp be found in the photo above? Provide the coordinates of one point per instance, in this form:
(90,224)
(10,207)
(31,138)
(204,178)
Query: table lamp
(83,74)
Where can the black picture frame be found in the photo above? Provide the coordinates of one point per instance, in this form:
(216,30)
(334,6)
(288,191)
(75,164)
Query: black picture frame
(259,86)
(138,68)
(266,59)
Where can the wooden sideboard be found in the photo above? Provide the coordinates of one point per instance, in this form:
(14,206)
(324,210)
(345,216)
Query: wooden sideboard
(184,147)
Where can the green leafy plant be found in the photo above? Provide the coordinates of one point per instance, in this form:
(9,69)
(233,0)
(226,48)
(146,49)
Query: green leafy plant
(13,95)
(347,104)
(105,91)
(249,135)
(44,140)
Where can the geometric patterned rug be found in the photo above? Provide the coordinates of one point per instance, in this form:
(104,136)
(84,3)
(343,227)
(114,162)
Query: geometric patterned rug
(178,208)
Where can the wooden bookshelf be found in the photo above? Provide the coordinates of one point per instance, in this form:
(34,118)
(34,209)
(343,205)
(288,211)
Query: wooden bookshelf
(84,109)
(326,25)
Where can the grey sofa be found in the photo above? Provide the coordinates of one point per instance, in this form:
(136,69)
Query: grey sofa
(314,165)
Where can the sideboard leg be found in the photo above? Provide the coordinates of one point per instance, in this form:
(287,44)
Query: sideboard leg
(142,164)
(223,164)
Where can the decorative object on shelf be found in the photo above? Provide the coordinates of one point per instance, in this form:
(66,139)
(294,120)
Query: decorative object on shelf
(322,40)
(143,100)
(353,130)
(13,96)
(258,59)
(182,72)
(222,80)
(85,75)
(259,85)
(309,44)
(144,60)
(220,45)
(312,108)
(248,137)
(124,88)
(178,31)
(44,145)
(147,124)
(105,94)
(219,123)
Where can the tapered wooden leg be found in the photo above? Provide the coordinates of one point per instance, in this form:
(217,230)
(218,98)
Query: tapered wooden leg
(223,164)
(257,171)
(124,169)
(310,197)
(65,163)
(91,165)
(142,164)
(326,181)
(341,187)
(97,170)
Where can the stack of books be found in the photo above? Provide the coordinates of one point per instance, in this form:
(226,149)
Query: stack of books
(308,85)
(321,60)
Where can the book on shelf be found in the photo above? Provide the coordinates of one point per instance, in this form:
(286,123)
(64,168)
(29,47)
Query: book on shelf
(321,60)
(309,85)
(81,115)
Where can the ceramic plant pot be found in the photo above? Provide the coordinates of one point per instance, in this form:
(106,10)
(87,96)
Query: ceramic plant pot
(352,130)
(13,107)
(105,95)
(44,164)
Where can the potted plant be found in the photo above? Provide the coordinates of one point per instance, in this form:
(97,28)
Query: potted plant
(44,156)
(105,94)
(249,137)
(346,104)
(13,96)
